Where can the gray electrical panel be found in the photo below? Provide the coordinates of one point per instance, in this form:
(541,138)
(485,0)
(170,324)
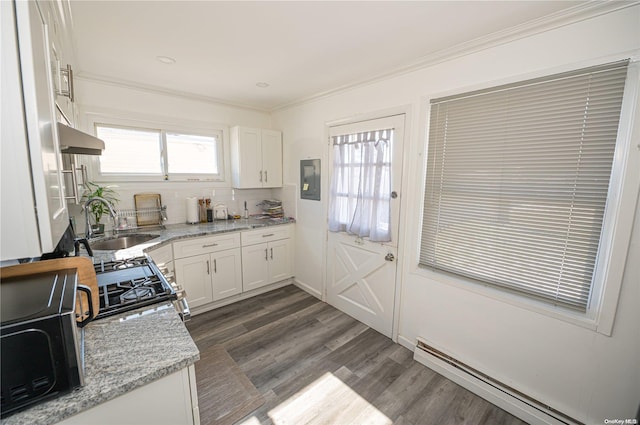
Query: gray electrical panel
(310,179)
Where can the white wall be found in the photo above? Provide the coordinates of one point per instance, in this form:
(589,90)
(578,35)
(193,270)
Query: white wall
(582,373)
(121,104)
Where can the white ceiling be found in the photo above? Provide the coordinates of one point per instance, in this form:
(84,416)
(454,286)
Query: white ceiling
(302,49)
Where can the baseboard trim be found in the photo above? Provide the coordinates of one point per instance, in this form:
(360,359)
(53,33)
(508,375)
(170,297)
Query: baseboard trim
(491,392)
(307,288)
(243,296)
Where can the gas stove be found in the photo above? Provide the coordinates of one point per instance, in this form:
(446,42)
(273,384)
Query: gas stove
(125,285)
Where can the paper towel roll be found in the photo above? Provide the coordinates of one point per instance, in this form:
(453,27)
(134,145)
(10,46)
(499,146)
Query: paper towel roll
(193,211)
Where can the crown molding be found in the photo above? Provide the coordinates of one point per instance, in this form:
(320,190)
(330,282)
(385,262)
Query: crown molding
(588,10)
(582,12)
(102,79)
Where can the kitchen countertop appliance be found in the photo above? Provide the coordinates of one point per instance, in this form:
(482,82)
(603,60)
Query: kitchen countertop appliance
(128,284)
(41,342)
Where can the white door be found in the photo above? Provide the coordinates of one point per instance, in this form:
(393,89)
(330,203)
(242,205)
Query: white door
(279,260)
(194,274)
(227,273)
(271,158)
(361,273)
(255,266)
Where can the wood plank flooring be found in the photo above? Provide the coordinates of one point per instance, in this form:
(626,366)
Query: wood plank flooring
(314,364)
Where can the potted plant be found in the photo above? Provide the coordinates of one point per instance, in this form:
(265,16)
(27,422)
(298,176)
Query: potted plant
(97,209)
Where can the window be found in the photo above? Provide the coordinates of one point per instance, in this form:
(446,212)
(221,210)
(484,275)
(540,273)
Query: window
(361,185)
(137,153)
(517,183)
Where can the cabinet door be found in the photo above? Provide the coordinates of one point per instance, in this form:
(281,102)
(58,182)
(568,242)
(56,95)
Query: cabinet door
(194,275)
(255,266)
(227,273)
(42,133)
(280,260)
(271,158)
(246,157)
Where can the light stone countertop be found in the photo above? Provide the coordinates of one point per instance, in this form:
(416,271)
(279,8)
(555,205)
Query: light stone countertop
(122,352)
(174,232)
(129,350)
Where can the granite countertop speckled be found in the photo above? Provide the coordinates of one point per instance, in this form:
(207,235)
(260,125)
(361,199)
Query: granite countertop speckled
(174,232)
(132,349)
(122,352)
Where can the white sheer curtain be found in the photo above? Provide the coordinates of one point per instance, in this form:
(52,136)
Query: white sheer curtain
(359,201)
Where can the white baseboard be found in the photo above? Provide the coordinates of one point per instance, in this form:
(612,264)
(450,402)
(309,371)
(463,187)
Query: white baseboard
(490,393)
(243,296)
(406,343)
(307,288)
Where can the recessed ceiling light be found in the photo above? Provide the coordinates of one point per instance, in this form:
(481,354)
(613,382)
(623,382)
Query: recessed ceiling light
(166,60)
(262,85)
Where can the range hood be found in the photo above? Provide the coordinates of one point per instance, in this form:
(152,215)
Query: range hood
(76,141)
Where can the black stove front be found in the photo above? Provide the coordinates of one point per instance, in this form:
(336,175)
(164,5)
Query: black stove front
(129,284)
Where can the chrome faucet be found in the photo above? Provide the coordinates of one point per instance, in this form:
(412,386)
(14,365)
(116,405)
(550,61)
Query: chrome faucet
(112,212)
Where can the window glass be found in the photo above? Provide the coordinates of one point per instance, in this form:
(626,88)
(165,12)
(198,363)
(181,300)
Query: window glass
(130,151)
(191,154)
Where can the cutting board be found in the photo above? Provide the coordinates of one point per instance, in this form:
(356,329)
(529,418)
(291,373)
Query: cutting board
(148,209)
(86,277)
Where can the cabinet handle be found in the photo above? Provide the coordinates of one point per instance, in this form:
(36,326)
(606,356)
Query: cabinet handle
(208,267)
(272,253)
(266,255)
(267,235)
(210,245)
(266,179)
(215,266)
(260,176)
(69,91)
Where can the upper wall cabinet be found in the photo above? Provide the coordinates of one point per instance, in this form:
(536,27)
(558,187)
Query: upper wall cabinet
(34,212)
(61,59)
(256,158)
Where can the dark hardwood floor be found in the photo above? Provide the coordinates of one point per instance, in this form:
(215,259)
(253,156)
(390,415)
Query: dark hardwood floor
(315,365)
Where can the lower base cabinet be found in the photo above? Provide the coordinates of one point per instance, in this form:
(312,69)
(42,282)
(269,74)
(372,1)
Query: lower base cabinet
(216,267)
(210,277)
(266,263)
(173,398)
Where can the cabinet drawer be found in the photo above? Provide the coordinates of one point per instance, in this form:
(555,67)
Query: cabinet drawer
(203,245)
(271,233)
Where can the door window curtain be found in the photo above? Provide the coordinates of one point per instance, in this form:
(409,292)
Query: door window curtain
(517,183)
(359,201)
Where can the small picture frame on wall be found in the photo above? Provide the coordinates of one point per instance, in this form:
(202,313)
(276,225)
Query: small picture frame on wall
(310,179)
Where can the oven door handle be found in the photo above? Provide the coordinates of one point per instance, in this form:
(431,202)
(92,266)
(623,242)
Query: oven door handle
(183,309)
(87,291)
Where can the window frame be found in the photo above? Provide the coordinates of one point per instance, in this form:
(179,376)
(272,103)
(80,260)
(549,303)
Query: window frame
(618,218)
(219,133)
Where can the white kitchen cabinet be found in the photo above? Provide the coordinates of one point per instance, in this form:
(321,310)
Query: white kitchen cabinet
(209,268)
(266,256)
(34,211)
(174,399)
(256,158)
(161,255)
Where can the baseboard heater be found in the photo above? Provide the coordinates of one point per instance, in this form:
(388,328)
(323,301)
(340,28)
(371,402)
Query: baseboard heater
(496,392)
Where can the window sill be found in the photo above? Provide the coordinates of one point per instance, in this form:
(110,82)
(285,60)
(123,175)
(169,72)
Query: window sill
(575,318)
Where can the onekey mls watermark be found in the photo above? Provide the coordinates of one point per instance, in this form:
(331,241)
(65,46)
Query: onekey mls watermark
(621,421)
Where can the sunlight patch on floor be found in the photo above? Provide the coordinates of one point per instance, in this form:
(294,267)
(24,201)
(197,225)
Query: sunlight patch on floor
(327,400)
(250,421)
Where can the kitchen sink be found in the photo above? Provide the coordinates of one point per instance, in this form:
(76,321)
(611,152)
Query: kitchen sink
(121,242)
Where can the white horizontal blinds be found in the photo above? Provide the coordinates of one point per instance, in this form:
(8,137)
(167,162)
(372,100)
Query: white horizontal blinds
(517,182)
(360,193)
